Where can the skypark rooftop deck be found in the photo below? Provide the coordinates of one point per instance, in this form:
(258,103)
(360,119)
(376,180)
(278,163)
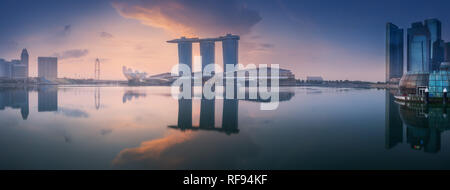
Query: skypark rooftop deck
(197,40)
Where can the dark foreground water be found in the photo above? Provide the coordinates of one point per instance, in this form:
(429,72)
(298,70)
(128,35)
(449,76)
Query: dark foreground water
(144,128)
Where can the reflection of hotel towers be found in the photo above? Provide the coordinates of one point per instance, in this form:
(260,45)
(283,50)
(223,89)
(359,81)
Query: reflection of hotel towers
(47,99)
(207,120)
(16,99)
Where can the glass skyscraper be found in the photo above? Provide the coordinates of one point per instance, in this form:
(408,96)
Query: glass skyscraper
(436,57)
(447,52)
(394,52)
(419,44)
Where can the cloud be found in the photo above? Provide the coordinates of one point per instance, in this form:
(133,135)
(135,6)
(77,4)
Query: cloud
(192,17)
(68,112)
(74,53)
(266,45)
(190,150)
(106,35)
(64,31)
(105,131)
(255,47)
(151,150)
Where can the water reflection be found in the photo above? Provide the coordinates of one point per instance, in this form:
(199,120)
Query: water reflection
(97,98)
(16,98)
(303,133)
(47,99)
(230,113)
(130,94)
(424,124)
(394,124)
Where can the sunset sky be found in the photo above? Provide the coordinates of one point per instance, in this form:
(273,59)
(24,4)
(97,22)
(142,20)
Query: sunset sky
(336,39)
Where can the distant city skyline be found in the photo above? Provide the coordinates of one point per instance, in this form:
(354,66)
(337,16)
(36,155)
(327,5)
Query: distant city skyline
(337,40)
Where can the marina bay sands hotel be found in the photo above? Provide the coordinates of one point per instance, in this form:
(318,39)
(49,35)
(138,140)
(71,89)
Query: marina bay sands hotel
(207,49)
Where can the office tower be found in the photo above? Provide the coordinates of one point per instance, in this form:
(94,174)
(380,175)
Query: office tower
(230,47)
(48,68)
(47,99)
(4,69)
(435,28)
(18,70)
(447,52)
(438,55)
(15,69)
(418,53)
(24,58)
(394,52)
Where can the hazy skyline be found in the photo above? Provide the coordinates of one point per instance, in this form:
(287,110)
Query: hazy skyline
(335,39)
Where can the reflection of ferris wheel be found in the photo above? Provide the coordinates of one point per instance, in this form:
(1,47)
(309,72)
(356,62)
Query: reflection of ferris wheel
(97,69)
(97,98)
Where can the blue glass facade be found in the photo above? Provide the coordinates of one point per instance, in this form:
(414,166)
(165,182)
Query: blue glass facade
(437,45)
(438,55)
(434,27)
(447,52)
(394,52)
(418,48)
(438,80)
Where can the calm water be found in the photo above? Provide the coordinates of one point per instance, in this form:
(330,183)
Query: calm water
(144,128)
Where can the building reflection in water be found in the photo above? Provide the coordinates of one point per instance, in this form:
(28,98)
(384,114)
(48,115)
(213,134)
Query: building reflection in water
(130,94)
(394,124)
(230,113)
(424,125)
(47,99)
(16,98)
(207,116)
(207,112)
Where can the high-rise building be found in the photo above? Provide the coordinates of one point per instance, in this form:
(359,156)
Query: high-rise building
(436,48)
(15,69)
(438,55)
(434,27)
(447,52)
(418,53)
(4,69)
(184,50)
(207,51)
(48,68)
(19,70)
(230,50)
(24,58)
(394,52)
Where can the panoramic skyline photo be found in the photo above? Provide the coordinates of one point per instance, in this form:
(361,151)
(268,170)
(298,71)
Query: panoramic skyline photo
(216,93)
